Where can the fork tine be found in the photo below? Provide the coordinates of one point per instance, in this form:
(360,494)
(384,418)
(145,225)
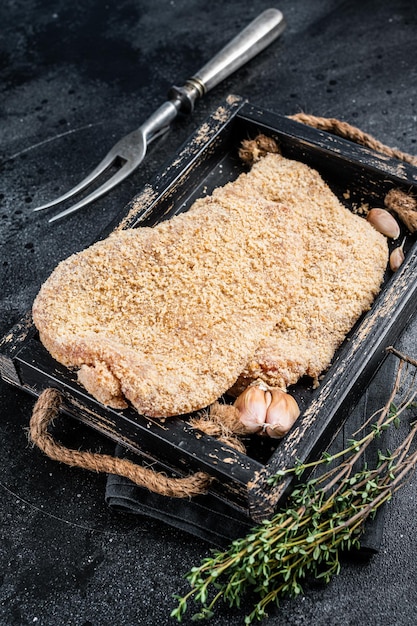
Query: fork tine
(114,180)
(130,150)
(107,162)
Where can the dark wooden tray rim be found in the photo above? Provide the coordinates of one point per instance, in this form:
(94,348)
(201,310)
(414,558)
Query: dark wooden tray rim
(207,160)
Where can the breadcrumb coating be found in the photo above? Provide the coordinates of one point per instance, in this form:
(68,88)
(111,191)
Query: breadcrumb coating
(166,317)
(344,265)
(263,279)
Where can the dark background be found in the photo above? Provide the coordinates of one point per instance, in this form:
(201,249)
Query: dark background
(76,76)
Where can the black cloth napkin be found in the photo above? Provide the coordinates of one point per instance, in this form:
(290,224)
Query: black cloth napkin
(206,517)
(216,521)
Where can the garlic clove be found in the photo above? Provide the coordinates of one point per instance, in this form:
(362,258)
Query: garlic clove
(281,413)
(252,405)
(396,258)
(384,223)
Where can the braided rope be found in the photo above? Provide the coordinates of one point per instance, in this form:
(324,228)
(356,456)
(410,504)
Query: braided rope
(347,131)
(46,410)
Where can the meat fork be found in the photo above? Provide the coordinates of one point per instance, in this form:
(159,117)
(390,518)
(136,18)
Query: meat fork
(131,149)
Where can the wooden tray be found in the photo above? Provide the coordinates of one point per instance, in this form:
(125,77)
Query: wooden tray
(207,160)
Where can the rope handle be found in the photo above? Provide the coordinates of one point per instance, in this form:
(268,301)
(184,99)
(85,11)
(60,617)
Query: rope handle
(47,409)
(347,131)
(50,401)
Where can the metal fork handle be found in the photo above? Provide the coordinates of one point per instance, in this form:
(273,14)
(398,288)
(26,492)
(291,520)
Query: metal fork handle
(247,44)
(131,149)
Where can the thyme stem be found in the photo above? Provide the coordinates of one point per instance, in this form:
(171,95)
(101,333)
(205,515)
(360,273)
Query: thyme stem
(324,516)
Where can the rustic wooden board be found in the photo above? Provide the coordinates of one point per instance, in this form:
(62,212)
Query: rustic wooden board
(207,160)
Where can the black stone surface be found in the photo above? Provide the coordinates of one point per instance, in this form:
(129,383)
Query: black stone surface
(74,78)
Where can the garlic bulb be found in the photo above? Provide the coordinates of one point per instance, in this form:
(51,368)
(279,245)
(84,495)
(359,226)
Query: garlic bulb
(384,223)
(396,258)
(252,405)
(266,410)
(281,414)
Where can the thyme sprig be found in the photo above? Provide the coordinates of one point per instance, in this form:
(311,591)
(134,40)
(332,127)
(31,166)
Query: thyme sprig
(324,516)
